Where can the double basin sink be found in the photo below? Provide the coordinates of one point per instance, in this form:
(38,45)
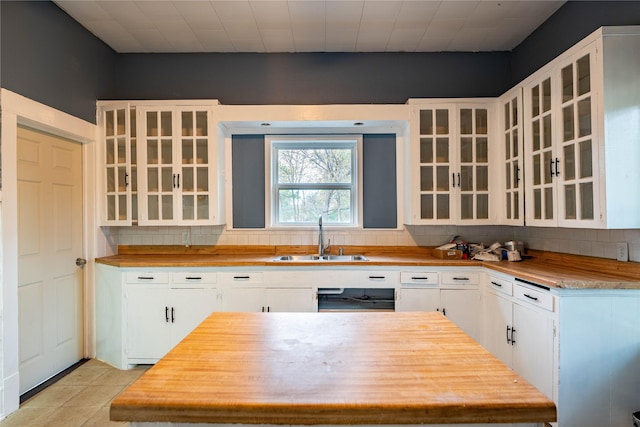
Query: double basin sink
(328,258)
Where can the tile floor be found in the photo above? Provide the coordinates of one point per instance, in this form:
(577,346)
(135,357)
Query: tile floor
(81,398)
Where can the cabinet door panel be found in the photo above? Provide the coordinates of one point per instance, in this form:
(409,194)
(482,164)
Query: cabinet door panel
(118,124)
(463,307)
(290,300)
(243,299)
(499,318)
(189,308)
(148,323)
(418,299)
(533,349)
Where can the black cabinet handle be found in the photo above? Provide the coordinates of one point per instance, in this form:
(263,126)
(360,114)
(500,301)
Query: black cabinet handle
(377,277)
(557,167)
(458,179)
(166,314)
(517,174)
(453,180)
(419,278)
(444,311)
(513,336)
(241,277)
(496,284)
(193,278)
(508,337)
(173,315)
(145,277)
(461,278)
(126,179)
(178,180)
(551,167)
(530,297)
(174,180)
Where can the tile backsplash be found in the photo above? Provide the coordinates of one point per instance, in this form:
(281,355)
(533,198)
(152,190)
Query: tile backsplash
(589,242)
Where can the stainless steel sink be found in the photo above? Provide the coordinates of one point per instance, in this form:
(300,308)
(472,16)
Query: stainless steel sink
(334,258)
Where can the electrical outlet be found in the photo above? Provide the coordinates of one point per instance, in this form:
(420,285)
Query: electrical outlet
(185,238)
(623,252)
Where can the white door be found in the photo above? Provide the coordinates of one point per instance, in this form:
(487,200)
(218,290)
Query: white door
(50,286)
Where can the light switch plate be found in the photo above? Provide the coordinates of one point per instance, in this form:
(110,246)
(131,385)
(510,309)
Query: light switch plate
(623,252)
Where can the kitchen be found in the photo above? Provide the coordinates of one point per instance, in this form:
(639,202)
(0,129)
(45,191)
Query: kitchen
(489,81)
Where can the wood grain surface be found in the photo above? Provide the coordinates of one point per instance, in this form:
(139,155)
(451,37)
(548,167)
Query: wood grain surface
(330,368)
(546,268)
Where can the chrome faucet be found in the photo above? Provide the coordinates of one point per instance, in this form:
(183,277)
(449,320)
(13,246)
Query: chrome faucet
(321,246)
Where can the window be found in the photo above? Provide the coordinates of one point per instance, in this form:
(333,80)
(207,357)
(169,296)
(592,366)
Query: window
(313,176)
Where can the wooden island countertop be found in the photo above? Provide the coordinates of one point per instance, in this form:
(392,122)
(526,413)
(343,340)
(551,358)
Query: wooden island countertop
(330,368)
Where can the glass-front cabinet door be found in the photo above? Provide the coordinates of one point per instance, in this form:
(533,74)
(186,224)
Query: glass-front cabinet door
(560,145)
(574,165)
(194,165)
(450,163)
(177,179)
(118,124)
(512,206)
(472,174)
(435,164)
(541,160)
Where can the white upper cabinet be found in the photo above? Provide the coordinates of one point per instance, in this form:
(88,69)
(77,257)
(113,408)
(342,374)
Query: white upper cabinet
(118,126)
(511,159)
(581,133)
(178,166)
(449,162)
(161,163)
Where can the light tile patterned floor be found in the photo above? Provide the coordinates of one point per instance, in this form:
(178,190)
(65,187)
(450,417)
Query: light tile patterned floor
(81,398)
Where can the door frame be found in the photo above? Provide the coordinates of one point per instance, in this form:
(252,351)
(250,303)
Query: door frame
(17,110)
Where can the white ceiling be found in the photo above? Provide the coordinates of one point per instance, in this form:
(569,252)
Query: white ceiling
(310,25)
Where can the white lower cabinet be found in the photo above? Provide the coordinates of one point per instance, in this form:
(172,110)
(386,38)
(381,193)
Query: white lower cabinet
(257,291)
(159,318)
(141,314)
(520,330)
(268,299)
(455,293)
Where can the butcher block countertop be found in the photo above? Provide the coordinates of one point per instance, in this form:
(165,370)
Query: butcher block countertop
(546,268)
(330,368)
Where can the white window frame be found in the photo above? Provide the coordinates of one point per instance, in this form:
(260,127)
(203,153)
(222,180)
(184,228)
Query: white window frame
(274,142)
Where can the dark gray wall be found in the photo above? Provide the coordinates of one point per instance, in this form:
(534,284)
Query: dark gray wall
(248,179)
(48,57)
(312,78)
(379,188)
(571,23)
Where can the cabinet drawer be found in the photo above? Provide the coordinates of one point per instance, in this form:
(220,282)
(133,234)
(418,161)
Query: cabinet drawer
(460,278)
(538,298)
(500,285)
(187,277)
(418,278)
(249,277)
(147,277)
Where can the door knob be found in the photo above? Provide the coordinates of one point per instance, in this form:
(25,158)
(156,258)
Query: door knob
(80,262)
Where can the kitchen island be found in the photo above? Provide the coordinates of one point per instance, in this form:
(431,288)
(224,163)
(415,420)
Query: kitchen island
(330,368)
